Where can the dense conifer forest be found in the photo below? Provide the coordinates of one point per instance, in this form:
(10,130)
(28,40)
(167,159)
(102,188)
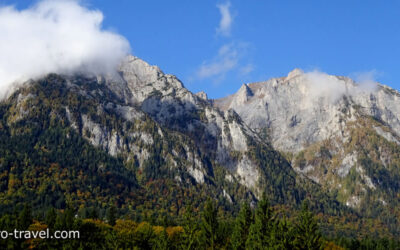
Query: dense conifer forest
(261,227)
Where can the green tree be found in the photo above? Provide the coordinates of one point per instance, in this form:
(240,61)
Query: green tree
(308,235)
(25,217)
(161,242)
(209,225)
(69,218)
(7,223)
(190,230)
(144,236)
(241,227)
(260,230)
(282,234)
(93,213)
(111,217)
(51,217)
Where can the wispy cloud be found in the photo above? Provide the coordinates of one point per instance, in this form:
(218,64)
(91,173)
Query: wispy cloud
(226,60)
(366,80)
(247,69)
(365,76)
(230,56)
(226,21)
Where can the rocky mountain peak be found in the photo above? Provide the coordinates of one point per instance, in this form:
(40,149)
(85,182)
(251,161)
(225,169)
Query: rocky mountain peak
(332,127)
(143,80)
(202,95)
(243,94)
(304,108)
(139,71)
(294,73)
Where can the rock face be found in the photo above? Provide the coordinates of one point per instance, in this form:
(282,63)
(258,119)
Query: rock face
(221,136)
(164,98)
(161,130)
(304,136)
(317,119)
(202,95)
(302,109)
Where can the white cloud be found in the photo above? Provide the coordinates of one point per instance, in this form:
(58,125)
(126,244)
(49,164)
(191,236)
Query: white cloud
(59,36)
(226,60)
(367,80)
(245,70)
(226,21)
(230,56)
(331,88)
(323,85)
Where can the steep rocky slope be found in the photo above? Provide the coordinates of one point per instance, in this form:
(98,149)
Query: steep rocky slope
(220,136)
(339,133)
(139,140)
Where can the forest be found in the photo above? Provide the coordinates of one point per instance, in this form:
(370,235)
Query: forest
(260,227)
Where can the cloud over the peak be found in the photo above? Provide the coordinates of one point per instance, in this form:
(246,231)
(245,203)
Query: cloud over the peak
(331,88)
(59,36)
(226,21)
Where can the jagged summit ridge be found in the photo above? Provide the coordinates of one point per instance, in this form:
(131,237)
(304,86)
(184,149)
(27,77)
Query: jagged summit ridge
(305,108)
(222,139)
(138,71)
(243,95)
(202,95)
(136,80)
(335,131)
(295,72)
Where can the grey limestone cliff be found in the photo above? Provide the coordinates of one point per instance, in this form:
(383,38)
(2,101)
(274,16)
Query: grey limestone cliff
(317,120)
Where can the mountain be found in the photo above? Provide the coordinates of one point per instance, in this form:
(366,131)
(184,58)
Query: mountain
(341,134)
(139,141)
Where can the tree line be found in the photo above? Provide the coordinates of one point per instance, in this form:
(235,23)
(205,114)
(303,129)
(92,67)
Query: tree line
(260,227)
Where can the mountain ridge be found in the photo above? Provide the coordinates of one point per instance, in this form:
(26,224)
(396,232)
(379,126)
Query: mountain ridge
(317,119)
(105,118)
(164,138)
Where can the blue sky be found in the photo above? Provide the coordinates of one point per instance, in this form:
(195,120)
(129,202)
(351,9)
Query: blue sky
(216,46)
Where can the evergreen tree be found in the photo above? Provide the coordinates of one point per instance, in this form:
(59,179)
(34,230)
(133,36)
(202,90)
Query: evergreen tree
(242,226)
(260,230)
(25,218)
(209,225)
(69,218)
(111,218)
(7,223)
(60,221)
(282,234)
(162,241)
(51,217)
(190,230)
(93,213)
(307,231)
